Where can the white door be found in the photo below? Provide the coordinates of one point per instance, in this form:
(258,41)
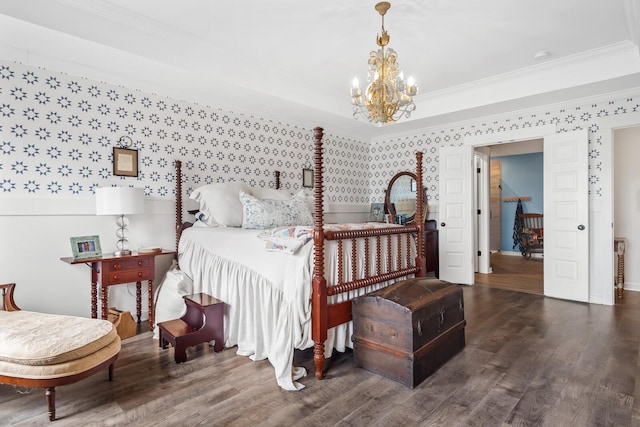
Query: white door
(455,215)
(566,216)
(482,156)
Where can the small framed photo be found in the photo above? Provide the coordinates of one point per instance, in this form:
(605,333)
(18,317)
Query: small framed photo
(86,247)
(307,178)
(125,161)
(377,212)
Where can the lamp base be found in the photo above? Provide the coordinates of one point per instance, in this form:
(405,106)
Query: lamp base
(123,252)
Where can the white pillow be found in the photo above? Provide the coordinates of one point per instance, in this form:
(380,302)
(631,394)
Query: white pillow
(220,203)
(269,193)
(271,213)
(311,204)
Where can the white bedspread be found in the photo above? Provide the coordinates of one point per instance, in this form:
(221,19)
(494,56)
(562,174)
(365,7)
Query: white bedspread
(267,314)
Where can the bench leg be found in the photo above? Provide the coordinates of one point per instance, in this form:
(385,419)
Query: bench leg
(50,392)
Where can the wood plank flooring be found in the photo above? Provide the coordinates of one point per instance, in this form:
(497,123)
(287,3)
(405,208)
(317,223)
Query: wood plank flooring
(529,360)
(515,273)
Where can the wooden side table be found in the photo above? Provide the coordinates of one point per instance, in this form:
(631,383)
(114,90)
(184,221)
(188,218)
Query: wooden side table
(203,322)
(108,270)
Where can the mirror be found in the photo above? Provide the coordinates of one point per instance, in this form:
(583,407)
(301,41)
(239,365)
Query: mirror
(400,197)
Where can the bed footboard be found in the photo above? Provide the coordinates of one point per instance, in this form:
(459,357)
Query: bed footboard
(388,248)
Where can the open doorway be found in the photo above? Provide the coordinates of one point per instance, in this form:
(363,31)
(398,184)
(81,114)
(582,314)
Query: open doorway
(566,204)
(626,205)
(515,185)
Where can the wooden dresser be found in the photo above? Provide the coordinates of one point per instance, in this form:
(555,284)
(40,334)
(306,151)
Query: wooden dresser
(431,248)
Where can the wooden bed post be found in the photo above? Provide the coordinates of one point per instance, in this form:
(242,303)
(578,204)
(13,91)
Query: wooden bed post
(421,260)
(178,204)
(319,283)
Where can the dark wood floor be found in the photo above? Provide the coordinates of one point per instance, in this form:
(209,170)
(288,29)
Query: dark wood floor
(529,360)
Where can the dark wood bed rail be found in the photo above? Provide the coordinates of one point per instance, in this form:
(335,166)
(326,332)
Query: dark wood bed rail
(369,232)
(367,278)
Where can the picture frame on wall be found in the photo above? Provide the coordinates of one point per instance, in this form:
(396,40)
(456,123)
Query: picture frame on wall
(376,214)
(125,161)
(86,247)
(307,178)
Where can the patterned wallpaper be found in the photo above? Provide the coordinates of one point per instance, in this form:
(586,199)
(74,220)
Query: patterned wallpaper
(397,154)
(57,134)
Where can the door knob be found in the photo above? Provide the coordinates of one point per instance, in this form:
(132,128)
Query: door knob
(581,227)
(442,224)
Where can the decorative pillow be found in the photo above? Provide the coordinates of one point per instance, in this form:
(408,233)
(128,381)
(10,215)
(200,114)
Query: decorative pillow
(270,213)
(269,193)
(311,204)
(220,204)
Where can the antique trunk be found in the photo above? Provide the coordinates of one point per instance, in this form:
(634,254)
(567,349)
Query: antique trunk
(408,330)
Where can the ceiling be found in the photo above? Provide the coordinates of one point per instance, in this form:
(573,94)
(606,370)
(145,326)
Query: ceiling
(294,60)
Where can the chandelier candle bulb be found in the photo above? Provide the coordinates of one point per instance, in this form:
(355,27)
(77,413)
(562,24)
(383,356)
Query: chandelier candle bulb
(387,97)
(412,89)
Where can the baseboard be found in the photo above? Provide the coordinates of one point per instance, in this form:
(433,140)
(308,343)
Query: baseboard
(634,287)
(511,253)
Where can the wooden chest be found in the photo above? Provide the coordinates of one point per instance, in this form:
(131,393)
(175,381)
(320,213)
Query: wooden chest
(408,330)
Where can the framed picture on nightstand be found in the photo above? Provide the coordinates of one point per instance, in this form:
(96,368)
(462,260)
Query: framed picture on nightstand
(86,247)
(377,212)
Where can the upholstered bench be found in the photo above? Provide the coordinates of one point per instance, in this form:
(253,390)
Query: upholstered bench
(47,350)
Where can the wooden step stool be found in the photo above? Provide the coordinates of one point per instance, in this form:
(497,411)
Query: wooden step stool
(203,322)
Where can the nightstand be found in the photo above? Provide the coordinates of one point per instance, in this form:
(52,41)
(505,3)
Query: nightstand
(431,248)
(108,270)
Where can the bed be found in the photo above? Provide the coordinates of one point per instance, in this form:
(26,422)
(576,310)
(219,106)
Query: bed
(278,302)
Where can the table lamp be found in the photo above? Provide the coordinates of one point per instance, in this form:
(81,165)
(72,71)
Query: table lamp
(120,201)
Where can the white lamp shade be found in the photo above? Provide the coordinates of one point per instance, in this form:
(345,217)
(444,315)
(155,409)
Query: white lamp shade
(119,201)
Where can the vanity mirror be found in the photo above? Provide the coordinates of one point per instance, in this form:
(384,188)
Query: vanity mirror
(400,197)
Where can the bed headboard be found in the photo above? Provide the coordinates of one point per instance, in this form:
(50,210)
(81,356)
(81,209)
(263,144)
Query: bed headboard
(180,224)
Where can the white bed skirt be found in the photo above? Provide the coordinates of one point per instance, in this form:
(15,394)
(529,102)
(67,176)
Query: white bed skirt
(267,314)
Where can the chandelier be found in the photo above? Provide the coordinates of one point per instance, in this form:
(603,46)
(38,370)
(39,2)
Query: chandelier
(387,97)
